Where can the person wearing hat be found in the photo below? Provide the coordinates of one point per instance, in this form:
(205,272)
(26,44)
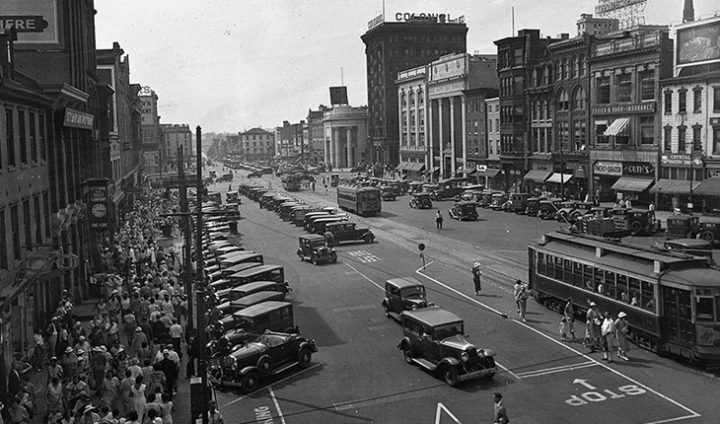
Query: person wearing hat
(54,396)
(592,327)
(138,339)
(89,416)
(621,331)
(476,278)
(170,369)
(68,363)
(521,296)
(54,369)
(608,336)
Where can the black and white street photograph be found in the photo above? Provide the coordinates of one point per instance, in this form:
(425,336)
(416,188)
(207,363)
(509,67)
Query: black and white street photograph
(359,211)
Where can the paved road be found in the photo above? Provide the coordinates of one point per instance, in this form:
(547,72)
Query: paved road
(359,376)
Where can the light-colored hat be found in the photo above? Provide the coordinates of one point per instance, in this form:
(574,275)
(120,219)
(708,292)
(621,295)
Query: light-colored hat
(80,352)
(82,338)
(96,349)
(68,349)
(622,315)
(88,408)
(165,352)
(54,358)
(138,329)
(593,304)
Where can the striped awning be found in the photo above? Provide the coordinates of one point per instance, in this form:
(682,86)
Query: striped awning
(633,184)
(558,178)
(617,126)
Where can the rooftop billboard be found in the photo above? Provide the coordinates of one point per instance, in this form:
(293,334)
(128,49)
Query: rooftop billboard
(698,44)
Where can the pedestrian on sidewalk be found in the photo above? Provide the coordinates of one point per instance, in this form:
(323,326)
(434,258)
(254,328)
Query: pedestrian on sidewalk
(569,314)
(438,220)
(592,327)
(621,331)
(521,296)
(608,336)
(476,278)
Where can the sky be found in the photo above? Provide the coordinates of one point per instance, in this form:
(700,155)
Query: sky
(231,65)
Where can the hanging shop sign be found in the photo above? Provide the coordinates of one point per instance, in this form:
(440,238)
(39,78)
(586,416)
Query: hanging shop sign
(645,169)
(603,167)
(98,203)
(77,119)
(676,159)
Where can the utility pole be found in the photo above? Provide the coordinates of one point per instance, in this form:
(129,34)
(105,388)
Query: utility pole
(187,232)
(200,275)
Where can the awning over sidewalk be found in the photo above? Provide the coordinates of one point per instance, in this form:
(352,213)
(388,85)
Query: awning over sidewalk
(537,175)
(489,172)
(632,184)
(415,166)
(709,187)
(558,178)
(467,171)
(401,166)
(617,126)
(668,186)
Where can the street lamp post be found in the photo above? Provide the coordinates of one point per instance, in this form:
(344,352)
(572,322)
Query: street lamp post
(695,159)
(200,282)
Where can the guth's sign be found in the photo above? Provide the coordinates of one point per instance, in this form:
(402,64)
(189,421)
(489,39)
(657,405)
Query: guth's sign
(638,168)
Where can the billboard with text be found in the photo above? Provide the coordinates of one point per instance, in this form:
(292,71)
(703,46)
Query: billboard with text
(36,21)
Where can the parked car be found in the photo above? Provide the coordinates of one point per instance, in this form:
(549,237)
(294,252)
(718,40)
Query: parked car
(547,208)
(230,307)
(420,201)
(435,340)
(266,272)
(463,210)
(498,199)
(532,204)
(237,292)
(269,354)
(337,232)
(388,193)
(519,202)
(314,248)
(319,226)
(403,294)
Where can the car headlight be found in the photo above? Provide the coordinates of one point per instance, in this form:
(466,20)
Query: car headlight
(414,306)
(464,356)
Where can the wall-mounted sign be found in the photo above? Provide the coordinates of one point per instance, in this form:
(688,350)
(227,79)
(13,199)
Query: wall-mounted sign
(376,21)
(676,159)
(36,21)
(481,168)
(77,119)
(446,88)
(98,203)
(602,167)
(638,168)
(648,107)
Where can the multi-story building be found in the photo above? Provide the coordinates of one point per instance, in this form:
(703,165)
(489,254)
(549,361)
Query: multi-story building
(120,161)
(415,157)
(491,169)
(689,169)
(291,140)
(232,143)
(257,144)
(153,155)
(345,129)
(518,58)
(174,137)
(391,47)
(625,70)
(316,135)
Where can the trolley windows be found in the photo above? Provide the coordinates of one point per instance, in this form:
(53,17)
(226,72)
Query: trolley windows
(615,286)
(707,306)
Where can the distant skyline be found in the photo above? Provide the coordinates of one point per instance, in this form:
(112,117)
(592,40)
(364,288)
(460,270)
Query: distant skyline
(230,65)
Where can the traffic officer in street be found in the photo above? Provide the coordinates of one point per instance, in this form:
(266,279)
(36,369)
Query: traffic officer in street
(476,278)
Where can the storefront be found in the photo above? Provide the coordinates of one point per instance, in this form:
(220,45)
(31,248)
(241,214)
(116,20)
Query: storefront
(708,191)
(413,171)
(488,176)
(535,180)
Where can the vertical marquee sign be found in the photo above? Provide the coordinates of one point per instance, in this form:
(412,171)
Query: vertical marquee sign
(98,203)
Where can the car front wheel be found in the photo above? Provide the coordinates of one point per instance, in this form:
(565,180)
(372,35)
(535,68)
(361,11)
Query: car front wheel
(369,238)
(407,355)
(304,358)
(449,375)
(250,382)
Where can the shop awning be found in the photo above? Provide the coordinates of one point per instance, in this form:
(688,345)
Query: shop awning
(537,175)
(401,166)
(467,171)
(436,169)
(709,187)
(632,184)
(489,172)
(667,186)
(415,166)
(617,126)
(558,178)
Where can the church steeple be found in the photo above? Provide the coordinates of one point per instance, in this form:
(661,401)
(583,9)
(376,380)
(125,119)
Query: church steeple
(688,11)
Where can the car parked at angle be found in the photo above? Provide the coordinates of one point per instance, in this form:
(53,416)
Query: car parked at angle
(342,231)
(548,208)
(254,320)
(236,292)
(420,201)
(227,318)
(403,294)
(269,354)
(232,259)
(497,201)
(435,340)
(318,226)
(387,193)
(314,248)
(464,210)
(225,273)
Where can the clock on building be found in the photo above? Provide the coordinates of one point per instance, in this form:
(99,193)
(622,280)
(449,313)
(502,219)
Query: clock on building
(99,210)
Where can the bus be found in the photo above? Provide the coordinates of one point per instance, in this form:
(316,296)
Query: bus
(291,182)
(672,300)
(359,200)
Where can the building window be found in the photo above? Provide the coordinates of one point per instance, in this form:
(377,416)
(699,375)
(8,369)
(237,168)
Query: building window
(716,99)
(10,136)
(682,100)
(563,129)
(697,99)
(681,138)
(697,137)
(600,127)
(27,223)
(564,68)
(575,70)
(580,134)
(667,138)
(579,99)
(563,101)
(603,90)
(716,139)
(3,242)
(15,228)
(581,62)
(33,140)
(22,122)
(668,102)
(647,85)
(624,87)
(647,130)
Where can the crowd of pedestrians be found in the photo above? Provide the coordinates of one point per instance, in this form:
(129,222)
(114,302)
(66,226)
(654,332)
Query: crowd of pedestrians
(122,366)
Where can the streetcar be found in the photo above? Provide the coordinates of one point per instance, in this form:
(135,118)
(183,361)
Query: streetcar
(291,182)
(672,299)
(360,200)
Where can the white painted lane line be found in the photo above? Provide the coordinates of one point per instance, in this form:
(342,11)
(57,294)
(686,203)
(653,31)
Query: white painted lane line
(365,277)
(554,368)
(507,370)
(277,405)
(268,387)
(692,414)
(573,368)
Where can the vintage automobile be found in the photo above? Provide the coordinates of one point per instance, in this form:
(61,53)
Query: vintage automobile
(498,200)
(471,195)
(464,210)
(387,193)
(225,312)
(570,210)
(403,294)
(238,292)
(420,201)
(314,248)
(519,202)
(337,232)
(435,339)
(268,354)
(531,205)
(547,208)
(319,226)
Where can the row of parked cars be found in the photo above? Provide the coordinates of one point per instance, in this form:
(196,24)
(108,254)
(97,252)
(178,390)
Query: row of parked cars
(252,329)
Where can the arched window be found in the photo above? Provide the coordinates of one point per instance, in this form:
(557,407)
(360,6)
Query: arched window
(579,98)
(575,70)
(581,65)
(562,100)
(564,68)
(557,71)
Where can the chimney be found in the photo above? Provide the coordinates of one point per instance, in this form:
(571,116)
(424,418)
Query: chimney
(688,11)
